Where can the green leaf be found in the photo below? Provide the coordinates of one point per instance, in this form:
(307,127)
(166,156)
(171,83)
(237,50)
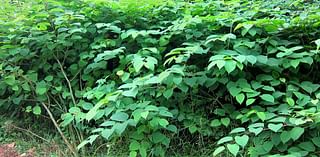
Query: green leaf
(75,110)
(230,65)
(172,128)
(275,127)
(295,63)
(158,137)
(267,146)
(48,78)
(152,108)
(143,152)
(190,81)
(41,88)
(228,36)
(133,154)
(309,86)
(134,145)
(58,88)
(144,114)
(215,123)
(86,106)
(193,129)
(137,114)
(314,101)
(237,130)
(163,122)
(165,113)
(131,93)
(108,123)
(256,131)
(241,58)
(250,101)
(28,109)
(316,141)
(106,133)
(94,111)
(120,127)
(218,150)
(164,40)
(90,140)
(10,80)
(36,110)
(234,90)
(307,146)
(225,121)
(296,132)
(153,80)
(285,136)
(67,119)
(233,149)
(267,97)
(251,59)
(177,80)
(261,115)
(26,87)
(220,63)
(278,120)
(290,101)
(120,116)
(242,140)
(317,43)
(150,63)
(138,63)
(168,93)
(225,139)
(240,98)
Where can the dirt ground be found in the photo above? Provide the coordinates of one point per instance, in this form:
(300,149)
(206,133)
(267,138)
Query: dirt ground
(9,150)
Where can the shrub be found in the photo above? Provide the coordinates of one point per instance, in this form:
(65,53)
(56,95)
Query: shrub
(240,73)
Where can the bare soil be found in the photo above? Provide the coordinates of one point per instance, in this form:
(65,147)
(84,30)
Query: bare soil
(9,150)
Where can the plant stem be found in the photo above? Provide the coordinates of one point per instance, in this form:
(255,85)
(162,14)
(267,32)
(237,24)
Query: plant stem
(68,81)
(71,148)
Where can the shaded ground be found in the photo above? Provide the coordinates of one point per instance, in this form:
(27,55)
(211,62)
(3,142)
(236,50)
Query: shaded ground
(9,150)
(28,138)
(21,137)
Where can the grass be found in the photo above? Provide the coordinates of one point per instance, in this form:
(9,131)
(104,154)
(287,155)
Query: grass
(43,139)
(42,136)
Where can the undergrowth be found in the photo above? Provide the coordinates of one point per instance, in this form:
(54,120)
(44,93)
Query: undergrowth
(151,78)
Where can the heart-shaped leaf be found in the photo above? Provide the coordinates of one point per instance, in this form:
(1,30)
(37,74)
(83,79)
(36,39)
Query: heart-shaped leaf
(233,149)
(242,140)
(225,121)
(230,65)
(240,98)
(275,127)
(256,131)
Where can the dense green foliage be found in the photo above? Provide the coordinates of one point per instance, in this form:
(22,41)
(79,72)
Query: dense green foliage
(241,75)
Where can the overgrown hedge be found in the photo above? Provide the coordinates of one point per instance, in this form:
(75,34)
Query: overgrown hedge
(241,74)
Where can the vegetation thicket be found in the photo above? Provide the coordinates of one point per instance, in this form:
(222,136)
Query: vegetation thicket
(238,77)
